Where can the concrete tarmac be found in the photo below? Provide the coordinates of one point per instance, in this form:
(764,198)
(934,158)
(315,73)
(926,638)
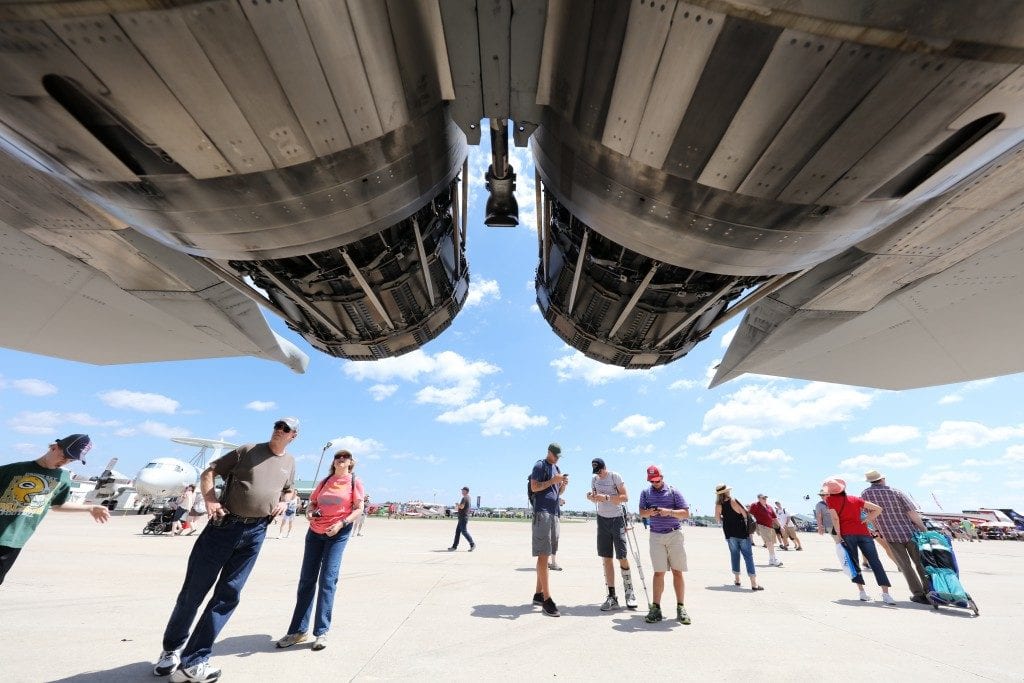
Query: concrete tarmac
(88,603)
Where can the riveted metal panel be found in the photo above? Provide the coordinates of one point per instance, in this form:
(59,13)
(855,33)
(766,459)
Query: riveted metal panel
(372,28)
(29,51)
(419,41)
(282,33)
(789,72)
(463,44)
(228,39)
(563,59)
(725,77)
(527,38)
(602,62)
(493,20)
(330,27)
(909,80)
(646,33)
(139,95)
(167,43)
(1007,97)
(850,75)
(919,132)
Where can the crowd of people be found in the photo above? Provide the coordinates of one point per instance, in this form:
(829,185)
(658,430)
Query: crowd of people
(259,487)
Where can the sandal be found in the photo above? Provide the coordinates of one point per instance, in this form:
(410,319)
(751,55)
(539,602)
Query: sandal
(736,583)
(757,588)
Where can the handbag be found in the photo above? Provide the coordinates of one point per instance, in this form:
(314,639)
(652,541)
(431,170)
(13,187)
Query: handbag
(751,524)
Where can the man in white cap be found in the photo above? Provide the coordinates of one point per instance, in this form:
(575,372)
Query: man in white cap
(259,482)
(897,524)
(29,489)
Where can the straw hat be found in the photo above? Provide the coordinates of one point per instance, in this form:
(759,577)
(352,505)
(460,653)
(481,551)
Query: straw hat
(873,475)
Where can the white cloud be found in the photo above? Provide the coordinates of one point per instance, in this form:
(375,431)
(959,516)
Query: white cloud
(685,384)
(225,434)
(574,365)
(1013,458)
(598,402)
(49,422)
(261,406)
(382,391)
(947,477)
(729,438)
(481,291)
(638,425)
(779,409)
(775,455)
(34,387)
(950,399)
(161,430)
(369,449)
(964,434)
(728,336)
(860,463)
(494,416)
(140,401)
(888,435)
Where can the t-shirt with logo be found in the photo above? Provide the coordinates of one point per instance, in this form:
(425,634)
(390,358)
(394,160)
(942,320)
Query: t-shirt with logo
(256,478)
(611,485)
(335,498)
(27,491)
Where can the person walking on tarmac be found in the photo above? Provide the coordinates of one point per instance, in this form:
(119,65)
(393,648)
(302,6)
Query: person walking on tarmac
(547,483)
(766,521)
(666,508)
(608,491)
(461,527)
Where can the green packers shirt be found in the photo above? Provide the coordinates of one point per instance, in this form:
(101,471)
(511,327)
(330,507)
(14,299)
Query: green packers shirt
(27,490)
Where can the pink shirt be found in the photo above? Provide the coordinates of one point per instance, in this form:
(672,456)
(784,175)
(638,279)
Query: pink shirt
(334,499)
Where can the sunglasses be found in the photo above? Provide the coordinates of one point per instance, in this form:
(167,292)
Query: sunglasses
(343,457)
(283,427)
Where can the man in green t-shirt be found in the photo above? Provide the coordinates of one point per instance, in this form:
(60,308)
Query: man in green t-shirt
(29,489)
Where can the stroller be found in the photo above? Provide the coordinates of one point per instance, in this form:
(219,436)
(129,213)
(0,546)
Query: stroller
(944,588)
(160,524)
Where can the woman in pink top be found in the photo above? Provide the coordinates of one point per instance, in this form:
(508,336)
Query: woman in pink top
(334,504)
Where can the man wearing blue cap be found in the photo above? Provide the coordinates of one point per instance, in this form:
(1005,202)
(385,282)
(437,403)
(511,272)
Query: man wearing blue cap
(29,489)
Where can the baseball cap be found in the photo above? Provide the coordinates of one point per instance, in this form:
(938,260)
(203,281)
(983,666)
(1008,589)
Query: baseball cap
(75,446)
(598,463)
(292,422)
(554,448)
(653,473)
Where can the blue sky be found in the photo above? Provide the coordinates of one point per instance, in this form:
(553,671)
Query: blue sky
(478,406)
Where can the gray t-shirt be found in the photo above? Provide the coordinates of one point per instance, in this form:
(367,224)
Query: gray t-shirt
(826,518)
(611,485)
(255,478)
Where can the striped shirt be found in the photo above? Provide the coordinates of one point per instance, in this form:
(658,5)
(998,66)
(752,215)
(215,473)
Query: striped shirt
(894,524)
(667,498)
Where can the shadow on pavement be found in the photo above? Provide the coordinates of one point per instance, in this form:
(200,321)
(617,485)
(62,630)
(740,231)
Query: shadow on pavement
(729,588)
(503,611)
(636,623)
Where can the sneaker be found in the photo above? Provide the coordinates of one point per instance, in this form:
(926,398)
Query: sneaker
(452,549)
(920,599)
(200,673)
(168,662)
(776,563)
(888,599)
(610,603)
(320,643)
(472,547)
(630,600)
(550,609)
(293,639)
(538,598)
(864,597)
(554,567)
(681,615)
(654,615)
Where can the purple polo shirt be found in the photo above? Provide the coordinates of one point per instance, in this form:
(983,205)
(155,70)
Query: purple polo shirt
(668,498)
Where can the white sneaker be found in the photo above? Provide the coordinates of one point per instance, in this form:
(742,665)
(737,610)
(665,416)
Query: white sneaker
(888,599)
(776,562)
(167,663)
(630,600)
(200,673)
(554,567)
(293,639)
(320,643)
(865,597)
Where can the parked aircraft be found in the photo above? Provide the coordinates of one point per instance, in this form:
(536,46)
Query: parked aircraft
(164,477)
(848,174)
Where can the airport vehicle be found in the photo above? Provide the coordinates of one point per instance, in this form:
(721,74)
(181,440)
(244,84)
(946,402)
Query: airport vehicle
(847,174)
(942,572)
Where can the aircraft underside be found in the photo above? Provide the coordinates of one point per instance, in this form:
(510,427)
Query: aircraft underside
(847,174)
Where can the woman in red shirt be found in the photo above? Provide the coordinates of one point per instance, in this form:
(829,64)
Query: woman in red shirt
(854,535)
(333,505)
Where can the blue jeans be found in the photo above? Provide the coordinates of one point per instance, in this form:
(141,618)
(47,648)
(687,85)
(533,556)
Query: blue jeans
(741,545)
(321,564)
(222,555)
(461,529)
(866,544)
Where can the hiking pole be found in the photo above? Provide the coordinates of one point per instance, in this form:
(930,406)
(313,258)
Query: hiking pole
(634,548)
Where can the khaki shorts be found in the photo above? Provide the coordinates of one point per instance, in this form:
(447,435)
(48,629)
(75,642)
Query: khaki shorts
(790,533)
(668,551)
(767,534)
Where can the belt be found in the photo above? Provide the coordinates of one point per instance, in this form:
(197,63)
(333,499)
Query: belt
(246,520)
(666,531)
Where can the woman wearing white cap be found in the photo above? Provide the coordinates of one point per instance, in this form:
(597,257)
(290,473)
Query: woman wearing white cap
(733,517)
(853,533)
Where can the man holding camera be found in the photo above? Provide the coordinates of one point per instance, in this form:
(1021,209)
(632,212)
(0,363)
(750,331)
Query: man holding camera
(666,508)
(259,482)
(546,485)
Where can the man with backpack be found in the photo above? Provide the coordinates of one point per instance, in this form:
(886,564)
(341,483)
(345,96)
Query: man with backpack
(545,488)
(608,492)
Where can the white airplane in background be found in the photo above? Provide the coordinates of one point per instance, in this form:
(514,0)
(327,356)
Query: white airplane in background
(165,477)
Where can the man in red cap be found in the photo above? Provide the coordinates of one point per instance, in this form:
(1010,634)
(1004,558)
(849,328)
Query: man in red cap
(29,489)
(666,508)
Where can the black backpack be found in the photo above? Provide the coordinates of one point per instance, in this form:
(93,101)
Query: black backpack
(530,493)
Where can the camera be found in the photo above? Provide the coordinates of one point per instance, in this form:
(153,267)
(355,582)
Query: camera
(317,513)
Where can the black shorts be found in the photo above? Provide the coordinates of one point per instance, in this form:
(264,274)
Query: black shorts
(611,533)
